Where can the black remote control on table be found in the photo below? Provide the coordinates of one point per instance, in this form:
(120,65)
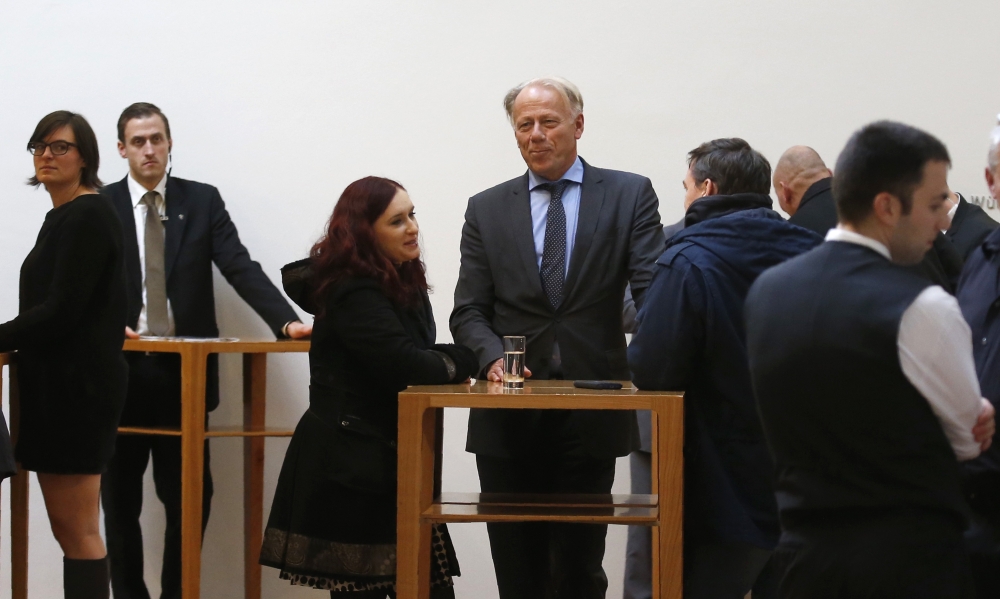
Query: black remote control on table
(597,384)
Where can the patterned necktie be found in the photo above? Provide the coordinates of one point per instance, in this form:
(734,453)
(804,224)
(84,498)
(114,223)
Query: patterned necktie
(156,280)
(554,250)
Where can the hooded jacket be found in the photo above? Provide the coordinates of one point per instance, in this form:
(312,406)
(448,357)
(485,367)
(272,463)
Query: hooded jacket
(691,337)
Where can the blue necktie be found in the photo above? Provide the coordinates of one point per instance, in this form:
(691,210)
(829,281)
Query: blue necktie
(554,250)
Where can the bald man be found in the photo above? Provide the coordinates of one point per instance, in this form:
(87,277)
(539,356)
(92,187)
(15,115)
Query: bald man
(802,183)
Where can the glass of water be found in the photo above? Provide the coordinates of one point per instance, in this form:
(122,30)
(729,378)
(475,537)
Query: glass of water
(513,362)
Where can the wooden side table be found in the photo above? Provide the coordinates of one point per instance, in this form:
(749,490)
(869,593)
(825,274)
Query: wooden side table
(421,503)
(192,432)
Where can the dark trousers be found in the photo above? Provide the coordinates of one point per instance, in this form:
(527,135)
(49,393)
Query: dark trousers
(548,560)
(982,540)
(712,570)
(153,400)
(904,554)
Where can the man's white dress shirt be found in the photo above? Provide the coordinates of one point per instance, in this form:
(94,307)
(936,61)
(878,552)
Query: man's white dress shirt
(935,353)
(136,191)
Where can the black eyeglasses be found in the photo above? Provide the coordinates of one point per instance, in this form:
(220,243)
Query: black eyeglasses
(59,147)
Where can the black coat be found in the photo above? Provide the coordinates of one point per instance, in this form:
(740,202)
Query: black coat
(198,233)
(69,337)
(337,486)
(691,338)
(969,227)
(817,210)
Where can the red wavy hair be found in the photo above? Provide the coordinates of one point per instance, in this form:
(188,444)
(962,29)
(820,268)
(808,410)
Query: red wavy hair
(350,250)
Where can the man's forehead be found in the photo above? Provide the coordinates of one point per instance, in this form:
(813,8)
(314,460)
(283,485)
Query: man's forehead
(145,126)
(541,96)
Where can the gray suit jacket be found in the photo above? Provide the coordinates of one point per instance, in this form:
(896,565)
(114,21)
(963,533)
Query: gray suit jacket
(499,293)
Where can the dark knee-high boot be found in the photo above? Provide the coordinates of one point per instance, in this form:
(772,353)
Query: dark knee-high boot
(86,578)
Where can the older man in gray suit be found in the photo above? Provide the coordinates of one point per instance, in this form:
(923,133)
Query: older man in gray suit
(547,255)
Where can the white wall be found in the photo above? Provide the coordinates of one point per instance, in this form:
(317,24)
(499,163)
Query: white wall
(281,105)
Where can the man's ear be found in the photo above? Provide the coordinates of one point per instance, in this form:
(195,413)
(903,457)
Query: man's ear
(783,193)
(887,208)
(121,149)
(711,189)
(578,123)
(989,178)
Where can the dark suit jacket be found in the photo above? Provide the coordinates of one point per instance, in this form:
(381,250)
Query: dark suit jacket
(817,212)
(499,292)
(969,227)
(198,232)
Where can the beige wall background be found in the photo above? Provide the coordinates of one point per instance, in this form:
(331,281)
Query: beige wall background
(281,105)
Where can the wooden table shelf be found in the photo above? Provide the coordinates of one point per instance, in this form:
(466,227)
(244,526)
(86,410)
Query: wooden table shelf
(458,512)
(212,431)
(420,501)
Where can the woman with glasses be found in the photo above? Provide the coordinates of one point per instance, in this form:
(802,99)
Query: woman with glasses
(333,519)
(68,335)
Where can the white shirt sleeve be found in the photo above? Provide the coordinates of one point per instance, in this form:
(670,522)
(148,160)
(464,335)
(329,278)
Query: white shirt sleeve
(935,352)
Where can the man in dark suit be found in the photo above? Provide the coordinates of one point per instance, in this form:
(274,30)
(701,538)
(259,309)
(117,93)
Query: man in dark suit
(547,255)
(978,297)
(802,184)
(970,225)
(800,169)
(174,230)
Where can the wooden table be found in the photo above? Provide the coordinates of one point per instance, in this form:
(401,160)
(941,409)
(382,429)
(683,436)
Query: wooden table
(421,503)
(192,432)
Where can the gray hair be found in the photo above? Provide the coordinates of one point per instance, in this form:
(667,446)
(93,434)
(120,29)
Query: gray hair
(993,159)
(566,89)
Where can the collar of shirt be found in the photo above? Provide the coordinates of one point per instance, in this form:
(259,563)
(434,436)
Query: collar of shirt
(574,174)
(954,209)
(136,191)
(839,234)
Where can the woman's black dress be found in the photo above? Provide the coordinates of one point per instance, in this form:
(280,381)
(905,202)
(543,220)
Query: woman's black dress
(68,335)
(333,520)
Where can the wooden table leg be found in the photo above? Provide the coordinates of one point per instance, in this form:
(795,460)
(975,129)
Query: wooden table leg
(668,567)
(654,477)
(418,425)
(18,503)
(254,391)
(193,376)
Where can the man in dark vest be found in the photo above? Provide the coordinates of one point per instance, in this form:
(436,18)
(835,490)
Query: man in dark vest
(866,386)
(690,338)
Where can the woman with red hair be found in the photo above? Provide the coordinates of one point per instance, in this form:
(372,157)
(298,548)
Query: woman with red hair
(333,520)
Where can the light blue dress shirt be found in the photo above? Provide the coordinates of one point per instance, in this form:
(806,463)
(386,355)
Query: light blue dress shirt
(540,209)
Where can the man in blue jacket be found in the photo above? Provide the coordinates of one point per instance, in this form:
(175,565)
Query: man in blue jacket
(691,338)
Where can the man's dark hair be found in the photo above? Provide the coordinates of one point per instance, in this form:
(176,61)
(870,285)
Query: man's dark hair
(732,165)
(140,110)
(86,144)
(882,157)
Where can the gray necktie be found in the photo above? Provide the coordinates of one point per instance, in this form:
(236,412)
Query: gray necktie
(554,250)
(156,280)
